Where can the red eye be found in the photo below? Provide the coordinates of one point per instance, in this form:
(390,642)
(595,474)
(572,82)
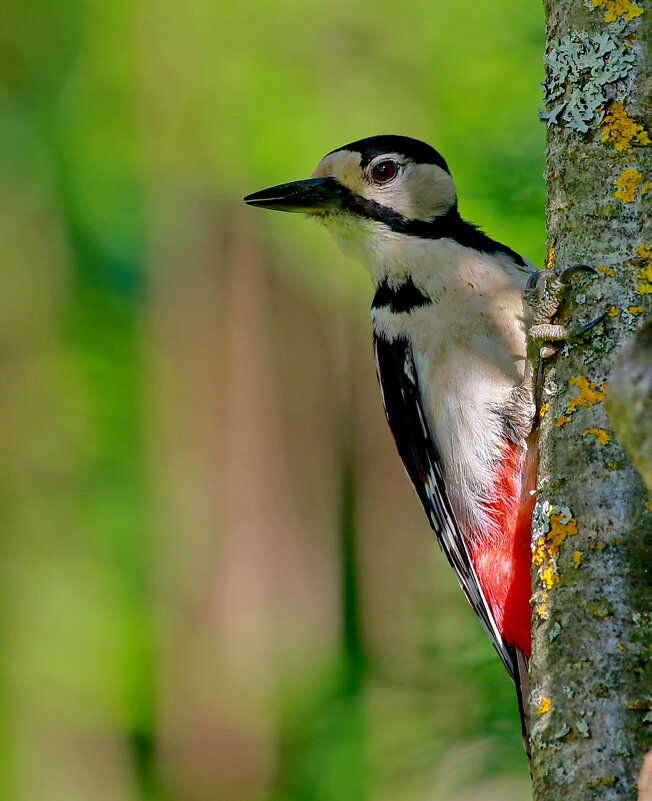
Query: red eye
(384,171)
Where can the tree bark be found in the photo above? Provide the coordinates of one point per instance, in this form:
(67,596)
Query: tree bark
(629,403)
(592,532)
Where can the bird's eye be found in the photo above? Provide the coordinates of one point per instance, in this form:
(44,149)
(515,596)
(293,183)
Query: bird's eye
(384,171)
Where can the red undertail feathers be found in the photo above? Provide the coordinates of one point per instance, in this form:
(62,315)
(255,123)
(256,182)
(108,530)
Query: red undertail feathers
(502,555)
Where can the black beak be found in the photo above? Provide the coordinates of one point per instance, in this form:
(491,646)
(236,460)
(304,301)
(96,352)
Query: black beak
(313,195)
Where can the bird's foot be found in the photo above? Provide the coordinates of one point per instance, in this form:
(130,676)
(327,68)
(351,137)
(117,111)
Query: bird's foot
(544,293)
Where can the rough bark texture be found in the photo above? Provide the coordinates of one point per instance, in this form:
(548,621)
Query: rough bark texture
(629,401)
(592,535)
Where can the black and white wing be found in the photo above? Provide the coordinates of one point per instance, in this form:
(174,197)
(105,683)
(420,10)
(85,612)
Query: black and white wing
(417,448)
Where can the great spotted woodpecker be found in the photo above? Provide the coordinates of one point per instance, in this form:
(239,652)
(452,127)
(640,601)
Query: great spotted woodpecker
(451,330)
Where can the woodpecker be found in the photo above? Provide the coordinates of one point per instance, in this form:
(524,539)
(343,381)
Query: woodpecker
(451,327)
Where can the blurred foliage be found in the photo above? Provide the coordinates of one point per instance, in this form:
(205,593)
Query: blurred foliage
(215,581)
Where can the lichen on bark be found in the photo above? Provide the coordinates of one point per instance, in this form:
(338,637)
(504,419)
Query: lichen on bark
(592,639)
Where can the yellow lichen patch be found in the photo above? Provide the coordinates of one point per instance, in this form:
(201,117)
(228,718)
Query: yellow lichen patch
(613,312)
(627,185)
(635,310)
(545,705)
(544,408)
(600,434)
(648,506)
(539,552)
(542,608)
(560,528)
(577,558)
(622,131)
(590,393)
(546,550)
(620,646)
(646,188)
(607,270)
(549,576)
(618,8)
(550,257)
(645,274)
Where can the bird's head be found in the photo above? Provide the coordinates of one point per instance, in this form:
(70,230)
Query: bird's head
(379,185)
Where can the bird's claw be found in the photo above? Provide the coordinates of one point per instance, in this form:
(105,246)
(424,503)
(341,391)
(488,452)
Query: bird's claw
(535,277)
(564,278)
(575,269)
(544,299)
(577,332)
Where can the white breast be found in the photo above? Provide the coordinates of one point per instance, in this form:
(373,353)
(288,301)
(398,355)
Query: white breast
(469,348)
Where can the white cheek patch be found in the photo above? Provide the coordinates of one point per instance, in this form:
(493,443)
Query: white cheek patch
(421,192)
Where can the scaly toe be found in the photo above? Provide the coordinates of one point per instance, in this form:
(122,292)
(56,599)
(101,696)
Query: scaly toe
(549,332)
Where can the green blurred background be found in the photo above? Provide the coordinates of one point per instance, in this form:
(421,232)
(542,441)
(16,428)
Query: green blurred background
(216,582)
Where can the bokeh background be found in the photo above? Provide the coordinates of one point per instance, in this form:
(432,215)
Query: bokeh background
(216,583)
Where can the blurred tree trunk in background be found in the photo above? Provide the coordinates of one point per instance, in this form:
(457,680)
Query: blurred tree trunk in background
(590,669)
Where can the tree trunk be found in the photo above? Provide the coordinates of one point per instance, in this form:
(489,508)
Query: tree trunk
(592,534)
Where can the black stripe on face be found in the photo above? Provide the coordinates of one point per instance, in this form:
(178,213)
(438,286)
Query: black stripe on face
(403,299)
(448,226)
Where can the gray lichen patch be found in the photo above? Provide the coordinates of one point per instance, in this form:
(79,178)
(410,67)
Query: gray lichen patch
(579,68)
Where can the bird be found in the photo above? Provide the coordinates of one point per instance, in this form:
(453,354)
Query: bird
(452,316)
